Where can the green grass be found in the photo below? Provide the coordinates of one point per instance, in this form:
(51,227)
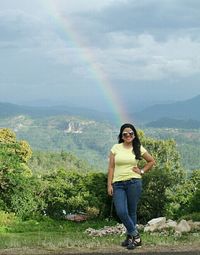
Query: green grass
(52,235)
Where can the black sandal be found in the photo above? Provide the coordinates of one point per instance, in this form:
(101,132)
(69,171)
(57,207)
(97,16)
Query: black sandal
(127,241)
(136,242)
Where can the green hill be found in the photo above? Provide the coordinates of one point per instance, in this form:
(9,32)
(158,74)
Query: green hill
(10,110)
(174,123)
(87,139)
(182,110)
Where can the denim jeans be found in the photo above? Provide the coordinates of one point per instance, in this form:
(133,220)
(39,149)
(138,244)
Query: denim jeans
(126,195)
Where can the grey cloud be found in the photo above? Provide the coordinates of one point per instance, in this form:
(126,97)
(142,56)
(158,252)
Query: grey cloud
(16,24)
(22,30)
(152,14)
(160,18)
(141,45)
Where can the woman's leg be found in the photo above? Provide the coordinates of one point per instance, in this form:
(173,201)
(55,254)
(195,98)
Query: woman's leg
(134,190)
(121,206)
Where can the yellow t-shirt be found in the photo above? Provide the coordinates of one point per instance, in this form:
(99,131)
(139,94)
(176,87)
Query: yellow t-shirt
(124,162)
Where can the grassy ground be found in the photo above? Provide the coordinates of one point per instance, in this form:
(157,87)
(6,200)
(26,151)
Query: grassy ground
(50,236)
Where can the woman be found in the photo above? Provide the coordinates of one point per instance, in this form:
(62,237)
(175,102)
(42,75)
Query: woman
(125,180)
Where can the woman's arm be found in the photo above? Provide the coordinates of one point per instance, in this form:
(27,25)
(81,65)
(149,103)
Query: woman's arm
(150,162)
(110,173)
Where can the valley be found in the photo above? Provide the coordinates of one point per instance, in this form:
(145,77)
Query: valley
(91,140)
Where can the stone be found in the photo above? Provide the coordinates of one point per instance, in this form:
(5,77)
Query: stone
(76,217)
(194,225)
(183,226)
(171,223)
(157,221)
(150,228)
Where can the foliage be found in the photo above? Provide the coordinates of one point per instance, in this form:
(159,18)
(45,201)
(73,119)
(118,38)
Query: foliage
(43,162)
(19,191)
(48,133)
(24,196)
(7,219)
(195,216)
(184,197)
(72,191)
(13,154)
(166,173)
(194,205)
(188,144)
(70,185)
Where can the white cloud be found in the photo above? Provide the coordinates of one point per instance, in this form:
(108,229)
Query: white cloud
(149,59)
(130,58)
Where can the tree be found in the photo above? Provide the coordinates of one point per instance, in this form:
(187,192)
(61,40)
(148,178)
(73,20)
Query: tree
(166,173)
(19,190)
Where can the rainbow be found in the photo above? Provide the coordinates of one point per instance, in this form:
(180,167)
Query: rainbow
(86,55)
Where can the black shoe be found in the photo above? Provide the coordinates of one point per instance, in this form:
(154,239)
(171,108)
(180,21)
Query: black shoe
(136,242)
(127,241)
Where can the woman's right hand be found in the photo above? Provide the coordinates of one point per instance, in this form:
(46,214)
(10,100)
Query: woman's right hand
(110,190)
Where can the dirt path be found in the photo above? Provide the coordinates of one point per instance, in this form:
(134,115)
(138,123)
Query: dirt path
(160,250)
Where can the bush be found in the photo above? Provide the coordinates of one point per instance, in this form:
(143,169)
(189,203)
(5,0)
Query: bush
(7,219)
(184,197)
(192,216)
(165,174)
(74,192)
(194,205)
(23,196)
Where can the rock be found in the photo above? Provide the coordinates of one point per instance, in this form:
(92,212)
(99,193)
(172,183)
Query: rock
(194,225)
(76,217)
(177,234)
(140,227)
(157,221)
(171,223)
(155,224)
(163,227)
(118,229)
(183,226)
(151,228)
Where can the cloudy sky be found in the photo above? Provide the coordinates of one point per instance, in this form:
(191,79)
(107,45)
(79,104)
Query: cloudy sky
(89,52)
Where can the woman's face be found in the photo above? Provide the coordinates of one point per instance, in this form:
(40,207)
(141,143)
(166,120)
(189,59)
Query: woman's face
(128,135)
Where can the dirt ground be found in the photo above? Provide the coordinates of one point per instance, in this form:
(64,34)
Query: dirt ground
(160,250)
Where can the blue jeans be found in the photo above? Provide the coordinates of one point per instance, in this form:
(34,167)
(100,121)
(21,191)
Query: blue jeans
(126,195)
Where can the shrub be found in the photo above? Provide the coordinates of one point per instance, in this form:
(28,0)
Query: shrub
(7,219)
(195,216)
(184,197)
(165,174)
(74,192)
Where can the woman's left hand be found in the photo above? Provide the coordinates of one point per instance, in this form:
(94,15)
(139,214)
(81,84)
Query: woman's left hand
(136,170)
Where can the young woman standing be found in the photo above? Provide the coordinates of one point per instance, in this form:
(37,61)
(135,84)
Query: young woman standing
(125,180)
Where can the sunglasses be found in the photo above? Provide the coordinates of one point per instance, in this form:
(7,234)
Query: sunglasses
(131,133)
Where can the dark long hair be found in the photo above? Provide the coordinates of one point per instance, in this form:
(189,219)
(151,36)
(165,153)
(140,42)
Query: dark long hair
(136,141)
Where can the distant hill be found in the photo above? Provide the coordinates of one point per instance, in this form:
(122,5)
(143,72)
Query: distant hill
(86,138)
(174,123)
(182,110)
(11,110)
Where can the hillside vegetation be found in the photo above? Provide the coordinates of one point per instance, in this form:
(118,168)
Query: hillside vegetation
(187,143)
(90,140)
(71,189)
(34,204)
(87,139)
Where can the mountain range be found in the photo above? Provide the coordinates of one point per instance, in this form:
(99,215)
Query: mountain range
(89,133)
(181,112)
(178,114)
(11,110)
